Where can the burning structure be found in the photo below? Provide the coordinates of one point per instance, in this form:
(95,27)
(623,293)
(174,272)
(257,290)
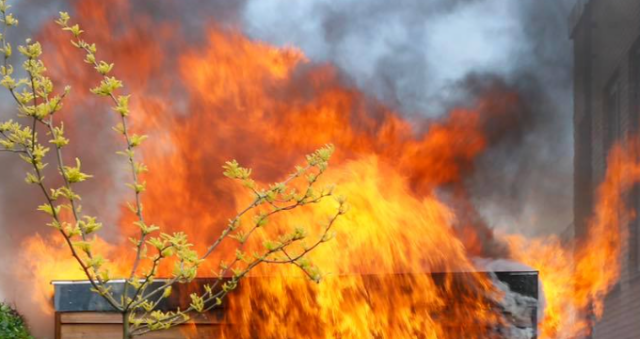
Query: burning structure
(607,103)
(81,314)
(206,99)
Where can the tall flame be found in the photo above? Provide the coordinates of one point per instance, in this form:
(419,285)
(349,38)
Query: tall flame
(232,97)
(575,291)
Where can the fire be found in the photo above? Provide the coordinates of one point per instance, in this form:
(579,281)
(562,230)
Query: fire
(573,291)
(232,97)
(367,263)
(47,259)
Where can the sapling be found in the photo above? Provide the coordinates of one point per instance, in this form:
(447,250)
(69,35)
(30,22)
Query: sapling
(37,131)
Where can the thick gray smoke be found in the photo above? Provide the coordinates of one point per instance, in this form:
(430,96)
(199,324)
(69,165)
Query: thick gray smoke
(423,57)
(420,57)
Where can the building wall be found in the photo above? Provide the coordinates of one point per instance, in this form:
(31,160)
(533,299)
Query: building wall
(606,108)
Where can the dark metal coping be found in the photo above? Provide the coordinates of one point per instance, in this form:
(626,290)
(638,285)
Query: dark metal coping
(77,296)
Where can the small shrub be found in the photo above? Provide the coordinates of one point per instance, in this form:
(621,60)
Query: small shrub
(12,326)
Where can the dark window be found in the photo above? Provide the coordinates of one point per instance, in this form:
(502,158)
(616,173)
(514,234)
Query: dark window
(612,129)
(612,115)
(634,93)
(635,61)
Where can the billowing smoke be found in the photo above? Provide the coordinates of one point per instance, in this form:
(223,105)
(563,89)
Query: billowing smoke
(418,57)
(424,57)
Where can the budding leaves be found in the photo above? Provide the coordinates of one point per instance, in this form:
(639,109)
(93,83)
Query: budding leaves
(167,292)
(59,139)
(107,86)
(35,100)
(122,106)
(103,67)
(31,51)
(63,19)
(52,211)
(233,170)
(240,236)
(146,229)
(138,187)
(89,225)
(74,174)
(33,179)
(75,30)
(136,140)
(197,302)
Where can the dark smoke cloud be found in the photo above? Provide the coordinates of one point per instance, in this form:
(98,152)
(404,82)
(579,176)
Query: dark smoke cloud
(528,184)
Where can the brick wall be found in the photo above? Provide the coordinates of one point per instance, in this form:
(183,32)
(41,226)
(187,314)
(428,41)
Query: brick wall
(605,109)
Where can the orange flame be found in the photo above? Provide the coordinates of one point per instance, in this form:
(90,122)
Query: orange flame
(575,287)
(47,259)
(237,98)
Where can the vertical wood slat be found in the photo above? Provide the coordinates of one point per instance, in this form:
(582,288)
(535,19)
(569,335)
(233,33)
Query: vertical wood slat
(102,325)
(57,326)
(114,331)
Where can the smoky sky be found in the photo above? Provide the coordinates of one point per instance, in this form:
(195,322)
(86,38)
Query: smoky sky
(420,57)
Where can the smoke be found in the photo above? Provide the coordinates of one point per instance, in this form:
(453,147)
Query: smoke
(528,185)
(18,201)
(12,191)
(423,57)
(419,57)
